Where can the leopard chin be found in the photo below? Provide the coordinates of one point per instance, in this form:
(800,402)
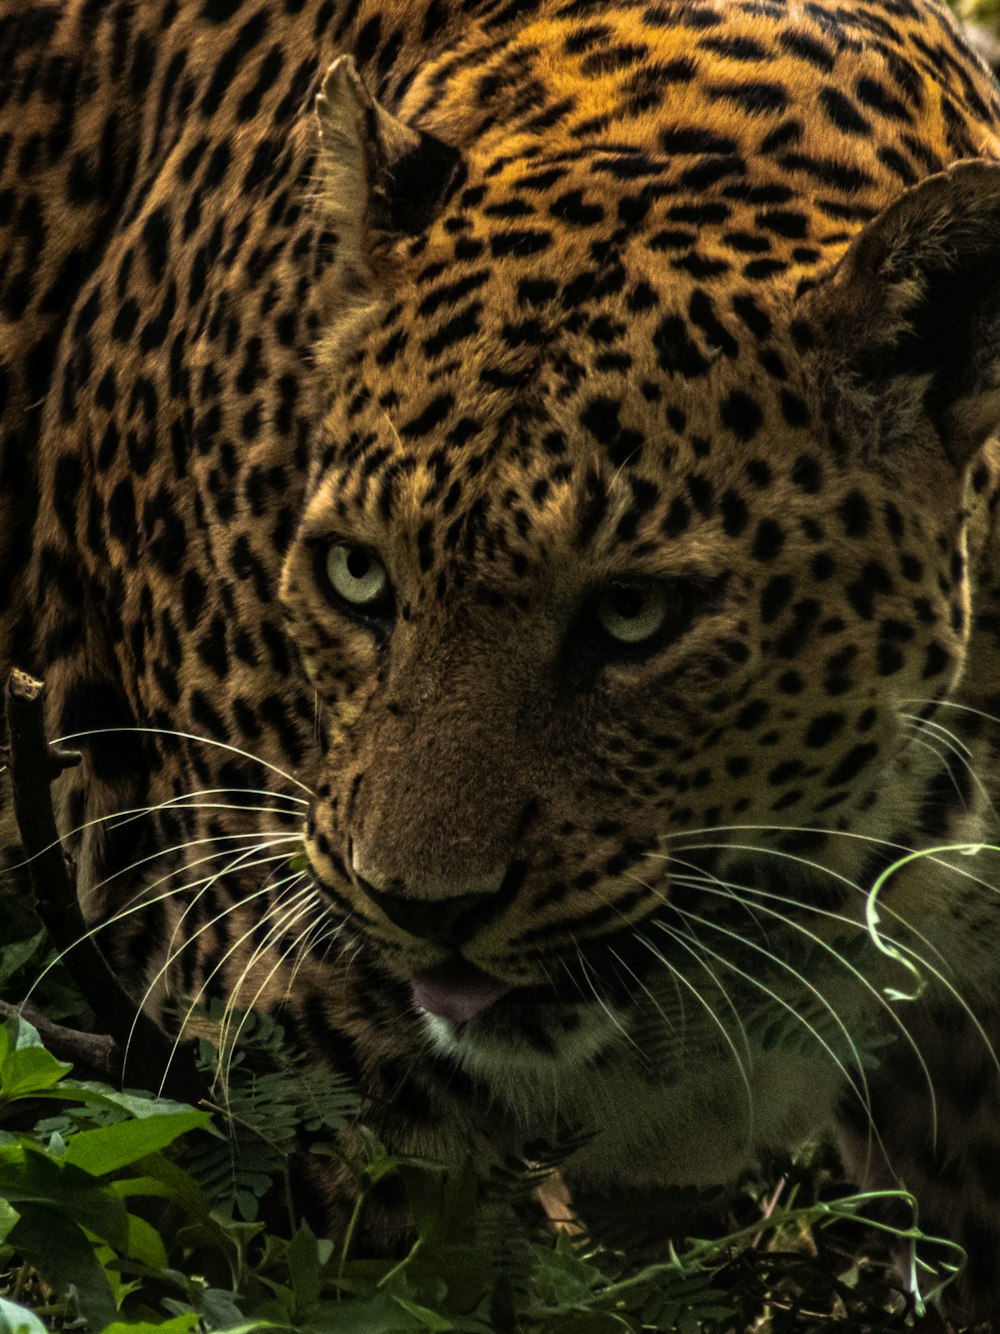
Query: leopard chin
(529,1029)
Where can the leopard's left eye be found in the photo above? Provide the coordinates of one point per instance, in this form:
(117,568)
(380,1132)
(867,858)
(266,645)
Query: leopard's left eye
(357,577)
(631,613)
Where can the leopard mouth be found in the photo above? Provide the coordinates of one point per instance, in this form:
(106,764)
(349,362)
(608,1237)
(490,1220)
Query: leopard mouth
(459,992)
(456,990)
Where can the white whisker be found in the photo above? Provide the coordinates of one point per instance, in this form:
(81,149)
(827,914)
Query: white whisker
(716,1019)
(185,736)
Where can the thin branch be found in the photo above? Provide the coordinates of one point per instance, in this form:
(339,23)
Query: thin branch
(99,1055)
(34,766)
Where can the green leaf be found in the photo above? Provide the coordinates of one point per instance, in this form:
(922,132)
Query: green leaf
(382,1314)
(120,1286)
(16,1320)
(180,1324)
(425,1318)
(17,1032)
(305,1257)
(145,1243)
(149,1187)
(28,1069)
(443,1202)
(65,1258)
(592,1322)
(565,1278)
(177,1185)
(183,1324)
(28,1176)
(463,1271)
(220,1309)
(137,1104)
(8,1217)
(14,956)
(110,1148)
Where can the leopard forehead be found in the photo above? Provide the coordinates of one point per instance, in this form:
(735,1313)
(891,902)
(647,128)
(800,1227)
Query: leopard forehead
(583,413)
(599,426)
(526,348)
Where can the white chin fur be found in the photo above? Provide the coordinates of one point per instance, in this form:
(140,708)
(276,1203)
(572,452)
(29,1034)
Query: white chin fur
(506,1061)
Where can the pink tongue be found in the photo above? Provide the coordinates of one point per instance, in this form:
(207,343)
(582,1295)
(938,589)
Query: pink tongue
(456,991)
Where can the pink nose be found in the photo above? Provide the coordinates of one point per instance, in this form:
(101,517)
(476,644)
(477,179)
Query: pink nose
(456,991)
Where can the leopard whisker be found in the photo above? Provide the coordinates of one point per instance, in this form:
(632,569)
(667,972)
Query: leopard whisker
(914,956)
(955,742)
(186,736)
(641,984)
(286,909)
(779,1000)
(280,903)
(128,814)
(698,877)
(138,902)
(940,756)
(757,849)
(954,745)
(722,990)
(271,837)
(805,861)
(192,1006)
(601,1000)
(679,979)
(283,897)
(229,1041)
(718,984)
(174,954)
(238,806)
(771,828)
(141,899)
(730,892)
(917,959)
(307,946)
(954,704)
(931,855)
(237,862)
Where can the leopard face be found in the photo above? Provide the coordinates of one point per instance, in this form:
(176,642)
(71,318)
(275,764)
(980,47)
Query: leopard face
(653,593)
(612,579)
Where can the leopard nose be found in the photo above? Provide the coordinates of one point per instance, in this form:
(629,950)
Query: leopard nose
(445,910)
(448,922)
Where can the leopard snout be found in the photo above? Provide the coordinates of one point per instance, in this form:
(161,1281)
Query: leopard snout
(444,913)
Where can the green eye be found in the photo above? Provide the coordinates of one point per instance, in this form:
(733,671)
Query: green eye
(632,613)
(357,576)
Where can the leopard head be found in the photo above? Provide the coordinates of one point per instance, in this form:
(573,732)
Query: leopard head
(606,561)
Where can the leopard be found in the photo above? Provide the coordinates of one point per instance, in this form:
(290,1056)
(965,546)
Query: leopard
(502,497)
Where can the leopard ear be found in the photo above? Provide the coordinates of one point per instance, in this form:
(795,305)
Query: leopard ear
(907,327)
(381,179)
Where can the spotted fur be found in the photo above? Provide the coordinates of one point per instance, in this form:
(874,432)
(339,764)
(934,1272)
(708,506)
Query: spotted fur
(551,310)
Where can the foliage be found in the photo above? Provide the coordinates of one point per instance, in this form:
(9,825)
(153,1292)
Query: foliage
(977,11)
(123,1211)
(981,21)
(115,1215)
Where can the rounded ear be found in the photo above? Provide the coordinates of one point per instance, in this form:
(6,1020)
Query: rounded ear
(380,178)
(907,326)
